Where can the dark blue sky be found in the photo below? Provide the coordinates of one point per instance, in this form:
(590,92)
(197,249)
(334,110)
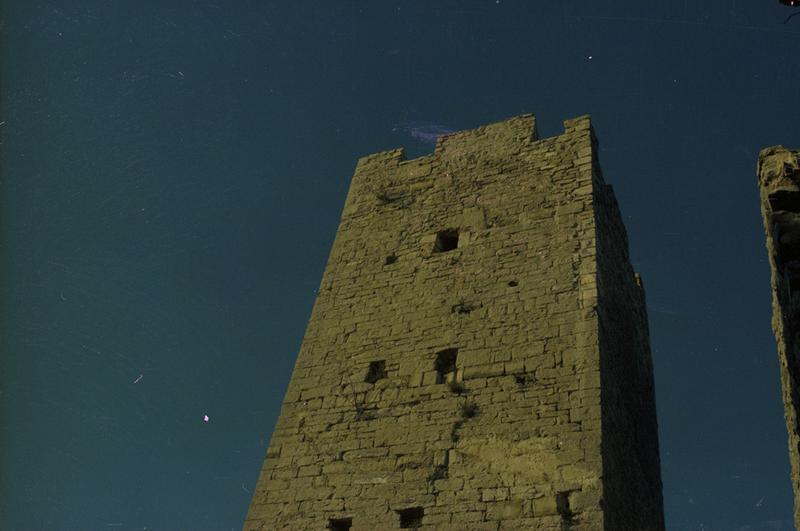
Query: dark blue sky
(172,178)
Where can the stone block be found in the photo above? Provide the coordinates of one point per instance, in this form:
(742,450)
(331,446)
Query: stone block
(545,506)
(507,510)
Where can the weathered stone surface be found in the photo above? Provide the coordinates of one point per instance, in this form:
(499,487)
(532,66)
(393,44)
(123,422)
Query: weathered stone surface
(478,354)
(779,186)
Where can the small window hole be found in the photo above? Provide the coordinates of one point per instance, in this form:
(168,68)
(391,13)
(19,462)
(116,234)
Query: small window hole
(445,365)
(446,240)
(784,200)
(562,506)
(392,258)
(513,283)
(411,518)
(340,524)
(376,371)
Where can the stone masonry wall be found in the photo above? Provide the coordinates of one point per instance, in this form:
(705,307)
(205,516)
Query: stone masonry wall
(450,375)
(779,186)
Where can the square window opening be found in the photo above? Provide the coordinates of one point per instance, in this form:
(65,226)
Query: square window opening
(376,371)
(340,524)
(785,200)
(411,518)
(562,506)
(445,365)
(446,240)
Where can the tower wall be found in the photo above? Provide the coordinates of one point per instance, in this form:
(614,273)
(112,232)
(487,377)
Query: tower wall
(468,387)
(779,186)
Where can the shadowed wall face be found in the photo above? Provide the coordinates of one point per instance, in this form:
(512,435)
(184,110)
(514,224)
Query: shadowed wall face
(631,463)
(779,185)
(455,372)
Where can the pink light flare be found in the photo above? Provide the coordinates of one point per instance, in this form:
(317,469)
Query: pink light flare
(205,418)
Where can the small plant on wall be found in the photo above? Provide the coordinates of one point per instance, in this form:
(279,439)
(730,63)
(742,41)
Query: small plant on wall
(457,387)
(469,409)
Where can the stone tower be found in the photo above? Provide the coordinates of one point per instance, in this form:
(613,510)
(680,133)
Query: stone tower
(779,186)
(478,355)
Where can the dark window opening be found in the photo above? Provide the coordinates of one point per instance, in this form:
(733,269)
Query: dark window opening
(788,252)
(785,200)
(788,240)
(562,506)
(376,371)
(785,204)
(340,524)
(411,518)
(390,259)
(446,240)
(513,283)
(791,271)
(446,365)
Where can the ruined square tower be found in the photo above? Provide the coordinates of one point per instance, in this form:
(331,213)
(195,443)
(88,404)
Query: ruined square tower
(478,356)
(779,186)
